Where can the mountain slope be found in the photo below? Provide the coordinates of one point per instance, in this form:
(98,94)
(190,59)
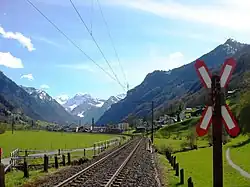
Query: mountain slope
(62,99)
(97,111)
(17,97)
(48,107)
(163,87)
(36,105)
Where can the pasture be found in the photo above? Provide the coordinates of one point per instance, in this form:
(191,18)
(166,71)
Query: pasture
(198,163)
(42,140)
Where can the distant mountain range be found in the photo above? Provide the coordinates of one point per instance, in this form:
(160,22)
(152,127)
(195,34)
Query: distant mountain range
(36,104)
(86,107)
(180,84)
(39,105)
(165,88)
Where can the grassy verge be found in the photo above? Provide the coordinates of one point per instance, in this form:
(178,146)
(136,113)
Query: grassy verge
(15,178)
(168,176)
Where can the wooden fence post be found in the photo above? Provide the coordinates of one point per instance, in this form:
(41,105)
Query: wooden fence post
(56,162)
(167,153)
(171,160)
(94,150)
(25,169)
(174,162)
(59,151)
(63,160)
(69,161)
(45,163)
(84,153)
(182,176)
(2,175)
(190,182)
(177,169)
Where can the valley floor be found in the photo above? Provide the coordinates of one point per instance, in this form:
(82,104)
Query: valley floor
(43,140)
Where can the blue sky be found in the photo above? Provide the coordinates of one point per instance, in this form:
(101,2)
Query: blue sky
(148,35)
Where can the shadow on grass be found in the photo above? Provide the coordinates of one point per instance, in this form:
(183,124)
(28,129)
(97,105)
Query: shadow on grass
(241,143)
(178,184)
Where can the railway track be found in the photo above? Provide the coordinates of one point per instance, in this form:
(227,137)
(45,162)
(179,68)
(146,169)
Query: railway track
(104,171)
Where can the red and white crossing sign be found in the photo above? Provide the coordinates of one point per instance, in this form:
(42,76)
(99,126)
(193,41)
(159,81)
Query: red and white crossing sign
(227,117)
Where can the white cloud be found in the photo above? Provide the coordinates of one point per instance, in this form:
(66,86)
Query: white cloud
(26,42)
(28,76)
(6,59)
(48,41)
(231,14)
(44,87)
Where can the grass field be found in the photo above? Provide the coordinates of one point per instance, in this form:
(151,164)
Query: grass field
(198,163)
(42,140)
(201,170)
(240,152)
(15,178)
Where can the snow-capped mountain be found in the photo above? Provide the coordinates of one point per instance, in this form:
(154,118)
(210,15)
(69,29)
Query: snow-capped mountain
(85,106)
(121,96)
(62,99)
(83,100)
(38,93)
(51,110)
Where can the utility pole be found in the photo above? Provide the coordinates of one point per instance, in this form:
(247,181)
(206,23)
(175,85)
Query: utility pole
(152,128)
(12,125)
(93,122)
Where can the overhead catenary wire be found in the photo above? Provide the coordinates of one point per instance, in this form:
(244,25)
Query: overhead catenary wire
(106,60)
(112,43)
(72,42)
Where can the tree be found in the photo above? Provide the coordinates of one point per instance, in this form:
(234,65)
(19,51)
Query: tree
(244,116)
(192,139)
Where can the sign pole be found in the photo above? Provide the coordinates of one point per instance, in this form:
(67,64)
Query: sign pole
(217,133)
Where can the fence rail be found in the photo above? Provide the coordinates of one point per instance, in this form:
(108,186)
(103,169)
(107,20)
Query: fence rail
(98,145)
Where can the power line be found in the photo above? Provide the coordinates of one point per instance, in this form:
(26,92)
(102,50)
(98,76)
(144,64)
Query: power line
(71,41)
(96,43)
(112,42)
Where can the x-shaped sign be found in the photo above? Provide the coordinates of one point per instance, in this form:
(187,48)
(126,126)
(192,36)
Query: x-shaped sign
(227,116)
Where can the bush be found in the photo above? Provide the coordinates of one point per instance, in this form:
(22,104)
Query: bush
(184,144)
(164,148)
(225,139)
(191,137)
(3,128)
